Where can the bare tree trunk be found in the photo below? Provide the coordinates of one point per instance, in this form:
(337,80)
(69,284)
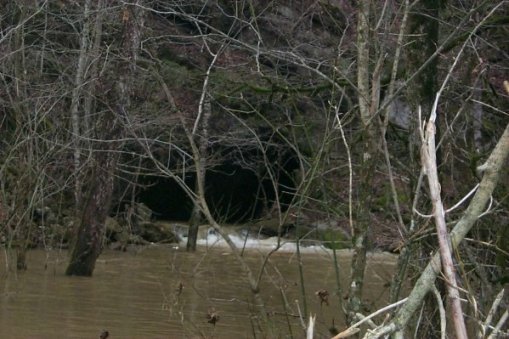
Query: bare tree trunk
(196,217)
(89,236)
(75,101)
(362,221)
(194,224)
(88,104)
(88,243)
(24,125)
(201,124)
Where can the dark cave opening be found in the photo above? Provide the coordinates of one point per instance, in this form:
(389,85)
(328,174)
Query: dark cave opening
(234,193)
(166,198)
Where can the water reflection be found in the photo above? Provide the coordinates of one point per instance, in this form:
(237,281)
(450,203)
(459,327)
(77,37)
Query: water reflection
(160,292)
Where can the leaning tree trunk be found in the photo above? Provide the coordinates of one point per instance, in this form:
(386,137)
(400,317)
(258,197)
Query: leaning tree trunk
(96,206)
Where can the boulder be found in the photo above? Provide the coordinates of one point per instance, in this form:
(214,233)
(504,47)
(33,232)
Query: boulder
(157,232)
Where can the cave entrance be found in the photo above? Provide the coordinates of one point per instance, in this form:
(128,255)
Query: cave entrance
(234,192)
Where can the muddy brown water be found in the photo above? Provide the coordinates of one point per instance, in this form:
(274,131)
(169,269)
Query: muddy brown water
(136,294)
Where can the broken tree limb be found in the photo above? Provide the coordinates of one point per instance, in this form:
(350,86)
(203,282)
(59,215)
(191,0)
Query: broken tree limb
(429,161)
(492,169)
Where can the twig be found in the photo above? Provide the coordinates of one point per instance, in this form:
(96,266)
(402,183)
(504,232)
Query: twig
(355,327)
(441,310)
(491,313)
(350,169)
(300,315)
(463,199)
(499,325)
(488,209)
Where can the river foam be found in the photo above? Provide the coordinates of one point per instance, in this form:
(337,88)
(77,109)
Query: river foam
(211,238)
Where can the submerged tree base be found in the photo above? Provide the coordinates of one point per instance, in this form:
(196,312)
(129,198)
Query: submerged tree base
(83,267)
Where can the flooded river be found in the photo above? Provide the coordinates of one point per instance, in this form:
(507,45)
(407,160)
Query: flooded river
(163,292)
